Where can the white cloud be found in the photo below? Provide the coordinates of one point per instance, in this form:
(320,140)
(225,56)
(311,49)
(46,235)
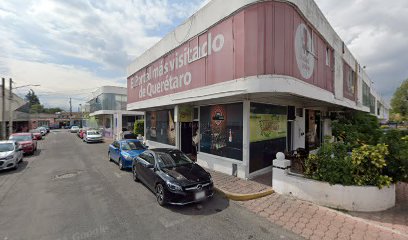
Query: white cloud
(74,44)
(376,33)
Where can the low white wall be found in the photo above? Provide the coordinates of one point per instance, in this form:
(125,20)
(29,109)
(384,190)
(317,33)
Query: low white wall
(352,198)
(153,144)
(221,164)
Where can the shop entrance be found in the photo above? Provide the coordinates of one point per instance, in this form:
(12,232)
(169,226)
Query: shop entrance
(186,136)
(313,130)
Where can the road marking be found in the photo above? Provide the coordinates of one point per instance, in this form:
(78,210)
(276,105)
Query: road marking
(117,174)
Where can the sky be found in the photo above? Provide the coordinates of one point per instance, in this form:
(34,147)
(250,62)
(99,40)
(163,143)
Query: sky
(72,47)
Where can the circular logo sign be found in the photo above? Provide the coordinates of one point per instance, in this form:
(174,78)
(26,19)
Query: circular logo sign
(303,51)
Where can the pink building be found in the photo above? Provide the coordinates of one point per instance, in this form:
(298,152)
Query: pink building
(238,82)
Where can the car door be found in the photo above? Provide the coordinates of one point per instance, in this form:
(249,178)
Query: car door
(114,151)
(145,172)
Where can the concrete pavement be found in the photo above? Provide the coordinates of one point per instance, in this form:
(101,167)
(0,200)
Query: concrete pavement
(69,190)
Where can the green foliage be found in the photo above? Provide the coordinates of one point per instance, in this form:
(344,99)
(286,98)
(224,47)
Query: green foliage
(356,129)
(397,160)
(139,127)
(32,98)
(333,164)
(399,101)
(36,108)
(368,164)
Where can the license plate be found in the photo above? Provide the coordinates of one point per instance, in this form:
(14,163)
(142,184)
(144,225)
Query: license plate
(200,195)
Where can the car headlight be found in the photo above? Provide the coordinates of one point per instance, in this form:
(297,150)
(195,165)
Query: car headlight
(9,157)
(173,186)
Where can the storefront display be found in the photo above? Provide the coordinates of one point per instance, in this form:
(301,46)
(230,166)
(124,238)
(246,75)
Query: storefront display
(268,131)
(221,130)
(160,127)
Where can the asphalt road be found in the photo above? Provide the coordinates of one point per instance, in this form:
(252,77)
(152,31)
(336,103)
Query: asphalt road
(69,190)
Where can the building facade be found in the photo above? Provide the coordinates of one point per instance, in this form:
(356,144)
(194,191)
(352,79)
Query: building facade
(108,111)
(238,82)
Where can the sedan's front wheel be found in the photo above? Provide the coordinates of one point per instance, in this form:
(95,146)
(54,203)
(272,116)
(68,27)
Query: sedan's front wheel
(160,195)
(135,178)
(109,157)
(121,164)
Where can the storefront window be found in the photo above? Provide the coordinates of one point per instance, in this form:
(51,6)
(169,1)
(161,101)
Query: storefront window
(221,130)
(160,127)
(268,130)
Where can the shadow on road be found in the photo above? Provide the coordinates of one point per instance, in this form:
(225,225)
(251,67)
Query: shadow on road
(213,205)
(21,166)
(37,153)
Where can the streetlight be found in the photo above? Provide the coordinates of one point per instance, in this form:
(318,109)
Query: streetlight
(10,100)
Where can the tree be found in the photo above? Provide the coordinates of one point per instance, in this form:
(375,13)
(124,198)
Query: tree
(35,106)
(32,98)
(399,101)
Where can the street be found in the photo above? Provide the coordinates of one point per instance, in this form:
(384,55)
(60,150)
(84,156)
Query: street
(69,190)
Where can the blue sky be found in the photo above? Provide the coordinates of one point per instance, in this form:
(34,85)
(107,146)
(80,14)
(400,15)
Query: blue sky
(72,47)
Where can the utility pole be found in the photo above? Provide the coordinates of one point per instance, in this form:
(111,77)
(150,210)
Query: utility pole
(70,107)
(10,110)
(3,108)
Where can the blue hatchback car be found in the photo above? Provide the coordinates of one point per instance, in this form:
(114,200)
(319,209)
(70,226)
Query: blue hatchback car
(124,151)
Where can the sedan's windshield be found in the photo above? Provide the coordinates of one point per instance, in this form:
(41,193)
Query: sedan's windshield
(6,147)
(132,146)
(21,138)
(172,159)
(93,133)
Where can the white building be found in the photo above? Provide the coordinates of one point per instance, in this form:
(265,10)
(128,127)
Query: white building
(108,111)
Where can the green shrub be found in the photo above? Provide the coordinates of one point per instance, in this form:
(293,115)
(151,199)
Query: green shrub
(368,165)
(356,129)
(333,164)
(330,164)
(397,160)
(139,127)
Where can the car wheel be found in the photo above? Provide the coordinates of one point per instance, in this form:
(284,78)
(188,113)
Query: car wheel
(160,194)
(135,178)
(120,164)
(109,157)
(16,166)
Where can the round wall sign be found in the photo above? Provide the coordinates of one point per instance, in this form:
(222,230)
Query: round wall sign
(304,51)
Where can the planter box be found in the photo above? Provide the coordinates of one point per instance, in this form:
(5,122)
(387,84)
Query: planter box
(351,198)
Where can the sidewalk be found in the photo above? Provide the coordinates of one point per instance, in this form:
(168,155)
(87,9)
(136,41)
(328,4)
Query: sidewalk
(316,222)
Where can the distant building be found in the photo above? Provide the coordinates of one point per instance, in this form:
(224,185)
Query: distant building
(107,110)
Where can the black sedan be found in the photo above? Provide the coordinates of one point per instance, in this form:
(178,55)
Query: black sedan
(172,176)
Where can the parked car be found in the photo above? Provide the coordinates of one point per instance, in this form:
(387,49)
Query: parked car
(46,128)
(37,134)
(172,176)
(124,151)
(10,155)
(92,136)
(26,141)
(43,130)
(74,129)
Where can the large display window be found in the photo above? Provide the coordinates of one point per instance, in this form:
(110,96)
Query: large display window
(160,127)
(268,131)
(221,130)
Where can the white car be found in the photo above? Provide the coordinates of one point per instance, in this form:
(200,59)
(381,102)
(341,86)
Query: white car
(43,130)
(92,136)
(11,154)
(74,129)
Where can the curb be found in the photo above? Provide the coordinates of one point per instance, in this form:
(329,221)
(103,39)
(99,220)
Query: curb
(244,197)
